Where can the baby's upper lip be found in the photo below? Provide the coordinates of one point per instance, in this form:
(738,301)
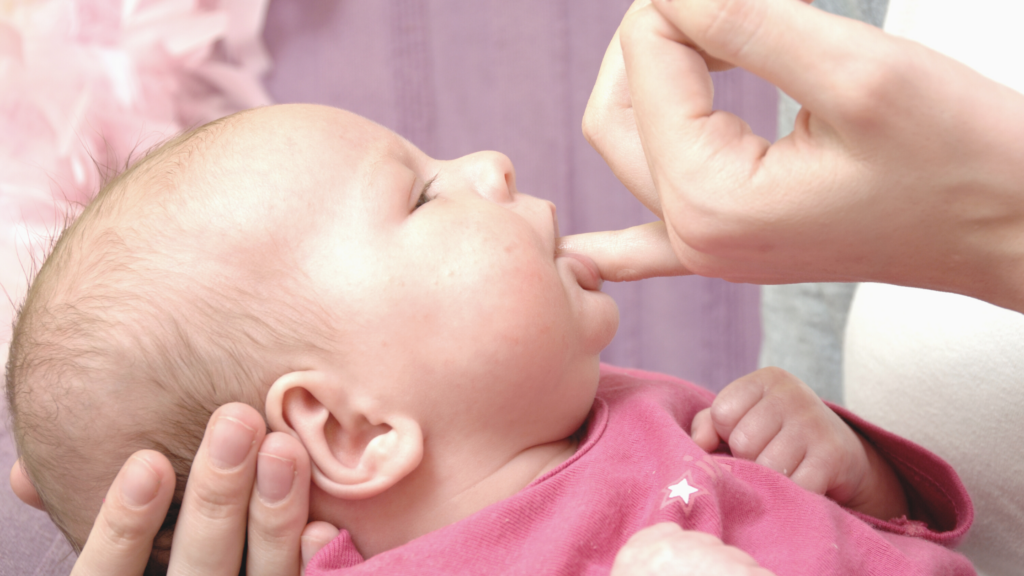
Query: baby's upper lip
(587,273)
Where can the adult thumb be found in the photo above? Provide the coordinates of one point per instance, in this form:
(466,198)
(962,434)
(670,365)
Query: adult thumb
(806,52)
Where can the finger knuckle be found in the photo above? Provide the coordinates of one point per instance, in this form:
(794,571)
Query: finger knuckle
(728,26)
(722,413)
(594,126)
(215,505)
(275,528)
(274,538)
(121,535)
(635,26)
(773,375)
(745,386)
(772,462)
(706,222)
(695,223)
(780,386)
(813,475)
(742,445)
(871,82)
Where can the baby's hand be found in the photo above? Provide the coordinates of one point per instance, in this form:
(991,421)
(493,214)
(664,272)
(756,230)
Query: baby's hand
(774,419)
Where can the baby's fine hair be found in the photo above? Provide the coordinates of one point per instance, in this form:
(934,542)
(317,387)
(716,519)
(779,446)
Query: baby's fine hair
(136,329)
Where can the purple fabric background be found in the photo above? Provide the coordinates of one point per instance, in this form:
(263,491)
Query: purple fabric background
(458,76)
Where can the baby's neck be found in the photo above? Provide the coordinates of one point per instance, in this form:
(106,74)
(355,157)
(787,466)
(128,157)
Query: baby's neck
(435,495)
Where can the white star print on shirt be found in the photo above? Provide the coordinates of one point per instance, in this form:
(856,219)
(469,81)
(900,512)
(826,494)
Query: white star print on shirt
(683,490)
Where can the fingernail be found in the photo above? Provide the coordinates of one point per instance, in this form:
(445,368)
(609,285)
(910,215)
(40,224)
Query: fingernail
(274,477)
(140,483)
(231,442)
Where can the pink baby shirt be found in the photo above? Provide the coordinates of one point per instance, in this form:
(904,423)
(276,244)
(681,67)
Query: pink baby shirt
(637,466)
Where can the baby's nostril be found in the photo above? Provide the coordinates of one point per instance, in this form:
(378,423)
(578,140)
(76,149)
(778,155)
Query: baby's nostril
(510,184)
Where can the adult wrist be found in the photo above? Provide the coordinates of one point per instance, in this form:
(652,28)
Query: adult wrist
(996,249)
(971,214)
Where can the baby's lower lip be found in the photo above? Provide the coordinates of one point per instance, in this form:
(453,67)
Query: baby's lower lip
(586,270)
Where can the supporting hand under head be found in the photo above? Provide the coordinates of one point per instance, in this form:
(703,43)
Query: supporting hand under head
(905,166)
(242,482)
(774,419)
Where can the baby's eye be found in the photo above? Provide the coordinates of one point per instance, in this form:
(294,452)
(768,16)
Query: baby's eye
(423,199)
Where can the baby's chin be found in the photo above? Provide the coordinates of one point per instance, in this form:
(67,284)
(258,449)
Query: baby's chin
(597,318)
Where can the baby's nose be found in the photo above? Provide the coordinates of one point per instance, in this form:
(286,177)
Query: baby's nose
(493,176)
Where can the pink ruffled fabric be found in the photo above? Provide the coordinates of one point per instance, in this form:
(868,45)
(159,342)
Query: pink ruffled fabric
(97,82)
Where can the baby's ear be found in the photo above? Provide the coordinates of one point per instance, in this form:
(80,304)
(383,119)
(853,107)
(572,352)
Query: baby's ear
(23,488)
(355,452)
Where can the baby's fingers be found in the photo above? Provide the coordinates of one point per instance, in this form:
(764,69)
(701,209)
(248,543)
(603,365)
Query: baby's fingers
(703,432)
(786,454)
(734,403)
(812,476)
(755,432)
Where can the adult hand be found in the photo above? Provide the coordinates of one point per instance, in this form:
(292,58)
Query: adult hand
(904,167)
(609,123)
(242,481)
(668,550)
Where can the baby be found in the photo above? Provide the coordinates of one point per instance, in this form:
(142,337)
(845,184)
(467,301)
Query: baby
(412,322)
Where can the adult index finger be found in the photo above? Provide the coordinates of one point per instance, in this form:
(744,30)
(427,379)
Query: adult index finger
(210,533)
(626,255)
(132,513)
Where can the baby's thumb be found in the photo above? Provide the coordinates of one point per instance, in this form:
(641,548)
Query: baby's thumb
(703,432)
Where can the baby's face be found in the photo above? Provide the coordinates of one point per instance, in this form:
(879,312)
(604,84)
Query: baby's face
(439,281)
(446,282)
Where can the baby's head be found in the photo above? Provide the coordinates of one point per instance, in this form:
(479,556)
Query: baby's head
(380,305)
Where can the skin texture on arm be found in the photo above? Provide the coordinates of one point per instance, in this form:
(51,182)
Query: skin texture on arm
(774,419)
(904,166)
(242,482)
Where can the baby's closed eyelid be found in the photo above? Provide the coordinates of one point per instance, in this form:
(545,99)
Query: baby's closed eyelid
(423,198)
